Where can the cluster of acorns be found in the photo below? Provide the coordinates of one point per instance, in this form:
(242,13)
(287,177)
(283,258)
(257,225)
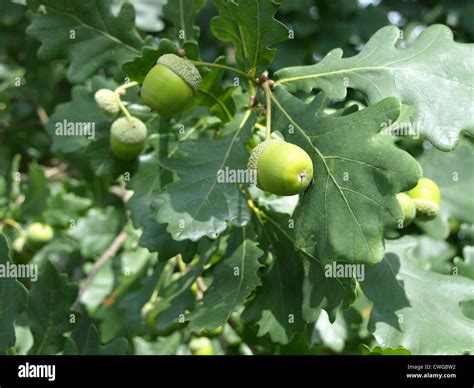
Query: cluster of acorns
(421,202)
(286,169)
(127,134)
(281,168)
(167,89)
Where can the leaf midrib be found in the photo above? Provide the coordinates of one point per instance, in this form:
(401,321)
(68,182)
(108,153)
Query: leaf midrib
(100,32)
(367,68)
(226,156)
(322,157)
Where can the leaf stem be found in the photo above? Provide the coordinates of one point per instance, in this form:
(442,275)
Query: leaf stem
(120,91)
(201,285)
(128,85)
(109,253)
(15,225)
(268,96)
(251,204)
(251,87)
(181,263)
(224,67)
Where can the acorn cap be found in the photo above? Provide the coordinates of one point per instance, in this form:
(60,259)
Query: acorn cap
(426,209)
(257,151)
(252,163)
(183,68)
(409,208)
(127,131)
(427,198)
(107,101)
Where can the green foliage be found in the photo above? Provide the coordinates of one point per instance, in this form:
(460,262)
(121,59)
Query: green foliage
(115,38)
(36,193)
(12,301)
(455,180)
(94,348)
(182,15)
(250,26)
(197,205)
(233,282)
(344,199)
(383,69)
(49,310)
(405,294)
(151,254)
(276,308)
(96,231)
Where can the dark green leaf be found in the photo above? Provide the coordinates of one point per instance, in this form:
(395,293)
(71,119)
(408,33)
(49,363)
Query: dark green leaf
(182,13)
(251,27)
(156,239)
(70,128)
(36,193)
(123,317)
(13,297)
(233,281)
(93,346)
(49,310)
(322,292)
(198,205)
(146,186)
(277,306)
(86,33)
(212,94)
(343,215)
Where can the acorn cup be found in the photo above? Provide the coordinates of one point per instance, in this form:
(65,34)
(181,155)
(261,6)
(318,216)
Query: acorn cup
(408,207)
(170,85)
(427,198)
(107,101)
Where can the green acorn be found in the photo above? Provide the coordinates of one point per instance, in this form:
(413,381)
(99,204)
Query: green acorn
(427,198)
(127,137)
(201,347)
(408,207)
(170,85)
(281,168)
(107,101)
(38,235)
(22,252)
